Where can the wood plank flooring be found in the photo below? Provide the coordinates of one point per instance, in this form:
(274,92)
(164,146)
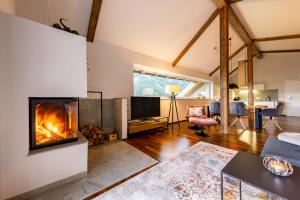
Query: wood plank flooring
(166,144)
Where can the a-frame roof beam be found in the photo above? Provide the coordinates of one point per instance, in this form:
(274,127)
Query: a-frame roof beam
(282,51)
(283,37)
(237,25)
(232,56)
(211,18)
(234,1)
(199,33)
(241,30)
(95,12)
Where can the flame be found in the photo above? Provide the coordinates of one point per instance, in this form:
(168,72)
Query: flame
(52,123)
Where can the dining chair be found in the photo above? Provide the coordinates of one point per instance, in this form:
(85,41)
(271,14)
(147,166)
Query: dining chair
(214,110)
(273,114)
(239,110)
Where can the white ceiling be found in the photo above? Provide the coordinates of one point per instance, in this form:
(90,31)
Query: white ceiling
(267,18)
(162,28)
(279,45)
(156,28)
(203,55)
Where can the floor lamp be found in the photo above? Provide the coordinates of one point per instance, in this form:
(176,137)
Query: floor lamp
(173,90)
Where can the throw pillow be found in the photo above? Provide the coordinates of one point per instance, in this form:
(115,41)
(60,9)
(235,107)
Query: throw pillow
(196,111)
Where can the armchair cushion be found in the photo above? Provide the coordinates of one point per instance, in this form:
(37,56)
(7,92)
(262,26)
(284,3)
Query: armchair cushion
(203,121)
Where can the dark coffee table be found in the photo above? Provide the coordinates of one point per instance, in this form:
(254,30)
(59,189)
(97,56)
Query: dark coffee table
(248,168)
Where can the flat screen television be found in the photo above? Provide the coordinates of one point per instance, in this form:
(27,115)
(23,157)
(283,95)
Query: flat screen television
(145,107)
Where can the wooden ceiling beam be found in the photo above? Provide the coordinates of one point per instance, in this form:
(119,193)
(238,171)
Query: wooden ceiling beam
(250,79)
(211,18)
(234,1)
(284,37)
(232,56)
(237,25)
(95,12)
(221,3)
(241,30)
(234,70)
(282,51)
(199,33)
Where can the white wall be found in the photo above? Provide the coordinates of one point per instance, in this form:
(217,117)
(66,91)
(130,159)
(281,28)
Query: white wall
(274,69)
(111,69)
(36,60)
(70,9)
(182,105)
(292,95)
(7,6)
(35,10)
(50,11)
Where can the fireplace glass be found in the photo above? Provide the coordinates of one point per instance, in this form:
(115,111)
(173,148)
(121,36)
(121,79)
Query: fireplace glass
(53,121)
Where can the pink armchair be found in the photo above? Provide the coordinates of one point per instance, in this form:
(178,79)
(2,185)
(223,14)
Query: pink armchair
(195,112)
(197,115)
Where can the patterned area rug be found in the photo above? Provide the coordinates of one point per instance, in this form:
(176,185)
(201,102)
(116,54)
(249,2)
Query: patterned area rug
(194,174)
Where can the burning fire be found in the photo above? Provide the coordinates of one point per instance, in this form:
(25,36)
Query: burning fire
(53,123)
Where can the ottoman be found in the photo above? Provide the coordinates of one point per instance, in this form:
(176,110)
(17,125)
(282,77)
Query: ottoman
(202,123)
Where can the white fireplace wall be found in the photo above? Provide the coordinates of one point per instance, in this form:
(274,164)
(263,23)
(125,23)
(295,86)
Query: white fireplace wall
(36,61)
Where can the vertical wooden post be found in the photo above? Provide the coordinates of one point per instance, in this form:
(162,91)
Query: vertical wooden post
(224,69)
(250,73)
(250,83)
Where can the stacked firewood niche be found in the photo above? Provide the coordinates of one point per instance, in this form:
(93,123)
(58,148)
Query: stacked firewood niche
(94,134)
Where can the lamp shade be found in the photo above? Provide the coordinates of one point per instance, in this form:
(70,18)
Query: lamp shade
(233,86)
(173,89)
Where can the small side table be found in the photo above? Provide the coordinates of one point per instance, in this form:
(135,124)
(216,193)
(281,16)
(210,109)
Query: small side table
(248,169)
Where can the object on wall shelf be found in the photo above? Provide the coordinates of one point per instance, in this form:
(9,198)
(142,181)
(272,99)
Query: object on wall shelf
(63,27)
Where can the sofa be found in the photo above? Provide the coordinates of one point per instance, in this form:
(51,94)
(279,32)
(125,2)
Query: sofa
(290,152)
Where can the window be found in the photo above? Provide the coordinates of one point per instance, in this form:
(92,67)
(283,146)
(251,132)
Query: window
(150,84)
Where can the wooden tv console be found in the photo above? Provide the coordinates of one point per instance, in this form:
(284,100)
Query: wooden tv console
(136,126)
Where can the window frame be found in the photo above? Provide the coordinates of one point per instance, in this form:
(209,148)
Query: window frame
(173,76)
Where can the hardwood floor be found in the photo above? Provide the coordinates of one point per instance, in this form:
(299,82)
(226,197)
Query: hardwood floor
(166,144)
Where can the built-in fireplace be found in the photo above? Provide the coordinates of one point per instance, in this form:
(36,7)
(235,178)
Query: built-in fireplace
(53,121)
